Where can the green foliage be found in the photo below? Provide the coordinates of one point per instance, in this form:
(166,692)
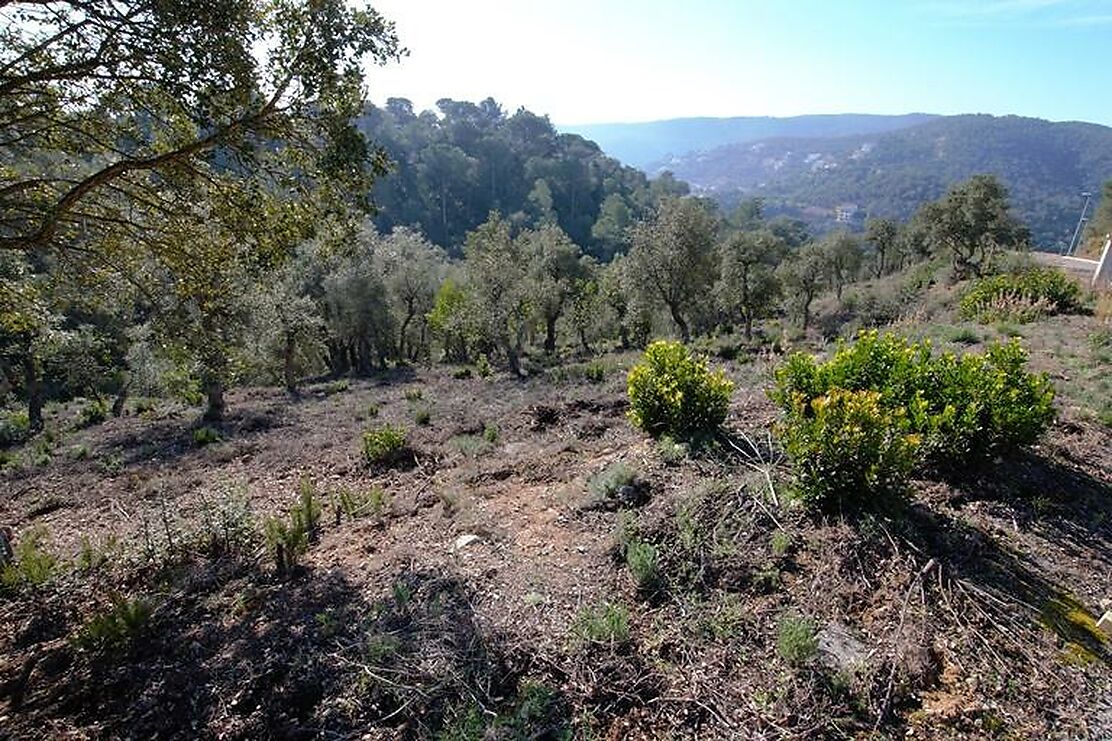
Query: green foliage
(604,624)
(643,563)
(671,451)
(595,371)
(483,367)
(796,640)
(490,432)
(373,410)
(1021,297)
(384,445)
(116,628)
(845,446)
(422,415)
(15,427)
(355,505)
(885,396)
(413,394)
(93,412)
(203,436)
(780,543)
(32,565)
(673,392)
(605,484)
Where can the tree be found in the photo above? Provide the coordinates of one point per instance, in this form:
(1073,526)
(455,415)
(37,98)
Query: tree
(1100,226)
(747,287)
(108,108)
(843,259)
(412,270)
(972,223)
(672,261)
(496,268)
(883,235)
(802,275)
(611,226)
(556,268)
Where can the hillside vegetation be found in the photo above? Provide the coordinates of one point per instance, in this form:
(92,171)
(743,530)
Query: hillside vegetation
(1045,165)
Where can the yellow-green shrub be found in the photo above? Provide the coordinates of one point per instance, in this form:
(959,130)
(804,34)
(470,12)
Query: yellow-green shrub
(673,392)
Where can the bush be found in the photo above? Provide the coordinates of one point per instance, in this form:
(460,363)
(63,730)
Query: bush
(606,485)
(203,436)
(31,564)
(92,413)
(956,410)
(672,392)
(1021,296)
(844,446)
(796,640)
(384,445)
(15,427)
(116,628)
(606,623)
(643,563)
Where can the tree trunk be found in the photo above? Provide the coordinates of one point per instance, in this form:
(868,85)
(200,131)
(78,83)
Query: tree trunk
(214,392)
(288,365)
(33,383)
(121,399)
(583,341)
(685,333)
(748,326)
(549,335)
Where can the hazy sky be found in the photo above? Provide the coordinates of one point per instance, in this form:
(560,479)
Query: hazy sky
(584,61)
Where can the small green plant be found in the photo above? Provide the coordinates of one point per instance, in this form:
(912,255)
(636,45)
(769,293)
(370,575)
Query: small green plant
(336,387)
(673,392)
(15,427)
(595,371)
(93,412)
(203,436)
(116,628)
(422,416)
(461,374)
(605,484)
(671,452)
(91,557)
(384,445)
(605,624)
(490,433)
(373,410)
(413,394)
(483,367)
(79,452)
(31,565)
(796,639)
(288,538)
(780,543)
(471,446)
(964,336)
(727,618)
(643,563)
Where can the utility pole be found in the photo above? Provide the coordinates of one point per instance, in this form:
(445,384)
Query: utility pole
(1080,222)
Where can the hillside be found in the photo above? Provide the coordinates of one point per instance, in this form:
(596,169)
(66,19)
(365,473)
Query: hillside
(1045,165)
(642,144)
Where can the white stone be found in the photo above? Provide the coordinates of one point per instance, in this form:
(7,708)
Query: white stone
(1105,623)
(464,540)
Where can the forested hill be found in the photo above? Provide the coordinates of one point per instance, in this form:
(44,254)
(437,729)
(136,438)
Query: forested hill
(642,144)
(452,167)
(1045,165)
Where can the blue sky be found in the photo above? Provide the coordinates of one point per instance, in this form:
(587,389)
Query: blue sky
(589,61)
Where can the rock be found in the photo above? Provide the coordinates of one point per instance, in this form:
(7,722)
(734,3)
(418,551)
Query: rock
(464,540)
(1105,624)
(840,649)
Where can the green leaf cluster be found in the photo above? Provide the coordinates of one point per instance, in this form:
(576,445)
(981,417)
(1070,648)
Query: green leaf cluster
(673,392)
(1022,296)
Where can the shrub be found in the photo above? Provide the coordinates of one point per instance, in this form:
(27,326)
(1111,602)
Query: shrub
(673,392)
(384,445)
(15,427)
(844,446)
(203,436)
(92,413)
(670,451)
(422,415)
(483,367)
(373,410)
(1021,296)
(461,374)
(796,640)
(413,394)
(595,371)
(31,563)
(606,484)
(289,539)
(965,408)
(117,627)
(490,433)
(606,623)
(643,564)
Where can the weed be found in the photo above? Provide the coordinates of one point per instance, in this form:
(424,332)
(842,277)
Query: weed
(490,433)
(462,373)
(422,415)
(483,367)
(767,579)
(31,564)
(471,446)
(288,540)
(15,427)
(111,464)
(384,445)
(91,557)
(607,484)
(373,410)
(671,452)
(606,623)
(79,452)
(413,394)
(796,639)
(92,413)
(336,387)
(595,371)
(203,436)
(116,628)
(964,336)
(643,563)
(727,618)
(780,543)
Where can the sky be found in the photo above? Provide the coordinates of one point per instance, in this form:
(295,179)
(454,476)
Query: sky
(596,61)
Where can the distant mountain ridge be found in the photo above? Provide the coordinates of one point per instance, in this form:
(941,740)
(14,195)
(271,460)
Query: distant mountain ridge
(643,144)
(1046,165)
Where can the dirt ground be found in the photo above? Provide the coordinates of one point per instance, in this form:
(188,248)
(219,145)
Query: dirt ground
(450,610)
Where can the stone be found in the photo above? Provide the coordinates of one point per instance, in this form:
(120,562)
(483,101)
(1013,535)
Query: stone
(464,540)
(1105,623)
